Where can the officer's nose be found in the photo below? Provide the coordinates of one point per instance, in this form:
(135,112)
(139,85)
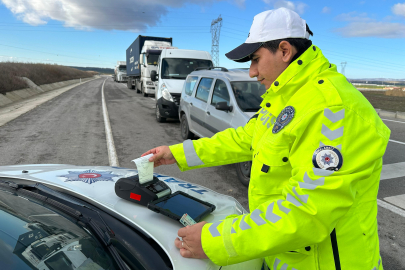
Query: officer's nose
(253,70)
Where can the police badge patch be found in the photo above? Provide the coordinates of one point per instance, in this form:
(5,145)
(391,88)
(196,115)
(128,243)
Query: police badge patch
(327,158)
(283,118)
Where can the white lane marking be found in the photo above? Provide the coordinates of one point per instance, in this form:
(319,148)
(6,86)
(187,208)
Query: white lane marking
(390,207)
(393,170)
(393,121)
(397,142)
(153,98)
(398,200)
(112,153)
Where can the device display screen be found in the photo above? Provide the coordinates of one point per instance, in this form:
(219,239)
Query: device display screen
(180,205)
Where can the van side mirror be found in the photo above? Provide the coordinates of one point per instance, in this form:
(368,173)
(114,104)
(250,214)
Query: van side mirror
(153,76)
(223,106)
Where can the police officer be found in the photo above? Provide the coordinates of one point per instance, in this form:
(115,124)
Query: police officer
(316,147)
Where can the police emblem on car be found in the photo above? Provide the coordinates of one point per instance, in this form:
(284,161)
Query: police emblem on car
(283,118)
(327,158)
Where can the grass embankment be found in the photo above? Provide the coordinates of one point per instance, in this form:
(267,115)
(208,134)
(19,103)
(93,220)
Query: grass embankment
(38,73)
(381,100)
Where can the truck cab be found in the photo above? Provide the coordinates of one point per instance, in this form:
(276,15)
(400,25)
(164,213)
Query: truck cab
(120,72)
(148,60)
(173,67)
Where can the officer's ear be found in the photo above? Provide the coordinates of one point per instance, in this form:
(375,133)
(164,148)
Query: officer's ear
(287,51)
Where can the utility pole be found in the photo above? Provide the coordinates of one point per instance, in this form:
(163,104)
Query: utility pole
(343,64)
(215,32)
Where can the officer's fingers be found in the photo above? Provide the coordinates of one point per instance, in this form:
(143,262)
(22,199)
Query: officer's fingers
(186,253)
(178,243)
(151,151)
(183,232)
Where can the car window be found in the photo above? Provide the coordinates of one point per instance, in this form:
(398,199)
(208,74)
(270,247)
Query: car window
(220,93)
(35,237)
(248,95)
(190,83)
(203,89)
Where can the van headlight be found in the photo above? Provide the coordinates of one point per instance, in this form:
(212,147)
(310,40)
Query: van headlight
(165,93)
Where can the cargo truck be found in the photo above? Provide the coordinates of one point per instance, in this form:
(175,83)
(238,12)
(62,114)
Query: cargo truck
(142,58)
(120,72)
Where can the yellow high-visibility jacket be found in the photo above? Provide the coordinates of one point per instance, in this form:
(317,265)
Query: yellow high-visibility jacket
(302,215)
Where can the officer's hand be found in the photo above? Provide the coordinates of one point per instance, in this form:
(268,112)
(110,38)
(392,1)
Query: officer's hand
(161,156)
(191,246)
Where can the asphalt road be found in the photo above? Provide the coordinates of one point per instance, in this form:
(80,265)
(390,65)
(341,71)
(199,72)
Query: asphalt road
(69,129)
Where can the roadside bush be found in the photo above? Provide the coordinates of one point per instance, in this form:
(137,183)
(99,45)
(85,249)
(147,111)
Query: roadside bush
(38,73)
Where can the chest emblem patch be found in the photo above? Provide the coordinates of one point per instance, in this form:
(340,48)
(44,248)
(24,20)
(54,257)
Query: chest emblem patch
(283,118)
(327,158)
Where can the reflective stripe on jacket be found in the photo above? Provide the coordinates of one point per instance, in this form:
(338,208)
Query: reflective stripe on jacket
(301,217)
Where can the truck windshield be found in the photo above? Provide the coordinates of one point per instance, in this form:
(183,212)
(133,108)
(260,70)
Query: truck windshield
(123,68)
(179,68)
(248,95)
(152,59)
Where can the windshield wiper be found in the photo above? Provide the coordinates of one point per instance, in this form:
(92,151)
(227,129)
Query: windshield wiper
(103,235)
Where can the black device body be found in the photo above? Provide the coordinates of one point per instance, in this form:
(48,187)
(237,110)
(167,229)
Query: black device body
(180,203)
(130,189)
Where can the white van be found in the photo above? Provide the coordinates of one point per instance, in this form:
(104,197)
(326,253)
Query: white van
(173,67)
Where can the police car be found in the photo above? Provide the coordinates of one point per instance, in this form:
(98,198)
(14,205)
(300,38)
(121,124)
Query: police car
(69,217)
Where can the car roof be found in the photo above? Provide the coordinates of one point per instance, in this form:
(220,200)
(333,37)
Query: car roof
(230,74)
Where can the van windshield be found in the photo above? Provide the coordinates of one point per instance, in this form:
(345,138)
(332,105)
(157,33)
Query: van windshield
(248,95)
(179,68)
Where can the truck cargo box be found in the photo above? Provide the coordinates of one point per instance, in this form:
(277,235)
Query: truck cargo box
(134,51)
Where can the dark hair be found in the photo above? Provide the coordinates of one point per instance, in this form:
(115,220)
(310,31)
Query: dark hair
(300,44)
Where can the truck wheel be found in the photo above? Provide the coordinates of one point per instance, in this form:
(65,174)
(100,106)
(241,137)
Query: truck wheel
(129,84)
(143,91)
(136,87)
(159,118)
(243,172)
(185,131)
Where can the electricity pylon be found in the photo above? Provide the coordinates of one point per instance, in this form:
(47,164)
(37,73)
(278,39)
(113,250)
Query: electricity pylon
(215,32)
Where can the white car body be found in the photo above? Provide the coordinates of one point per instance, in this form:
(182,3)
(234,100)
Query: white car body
(97,188)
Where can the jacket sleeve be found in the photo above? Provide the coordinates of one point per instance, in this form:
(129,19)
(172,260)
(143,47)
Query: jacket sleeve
(225,147)
(314,199)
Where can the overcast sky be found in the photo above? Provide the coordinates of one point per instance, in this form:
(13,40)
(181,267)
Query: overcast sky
(368,35)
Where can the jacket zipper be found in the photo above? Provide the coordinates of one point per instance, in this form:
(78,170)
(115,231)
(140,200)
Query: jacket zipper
(335,249)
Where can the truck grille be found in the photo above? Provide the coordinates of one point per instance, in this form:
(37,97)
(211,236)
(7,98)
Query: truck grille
(176,98)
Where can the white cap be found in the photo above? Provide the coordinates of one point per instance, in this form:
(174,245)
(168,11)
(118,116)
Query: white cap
(270,25)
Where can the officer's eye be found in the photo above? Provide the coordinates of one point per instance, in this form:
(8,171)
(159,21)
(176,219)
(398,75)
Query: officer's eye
(255,60)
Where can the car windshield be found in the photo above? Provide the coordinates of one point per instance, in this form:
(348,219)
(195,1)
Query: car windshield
(248,95)
(179,68)
(153,59)
(35,237)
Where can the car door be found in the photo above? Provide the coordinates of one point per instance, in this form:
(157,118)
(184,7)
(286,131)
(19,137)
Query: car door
(198,108)
(217,120)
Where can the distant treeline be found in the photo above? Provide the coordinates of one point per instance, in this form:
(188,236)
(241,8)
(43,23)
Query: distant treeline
(100,70)
(38,73)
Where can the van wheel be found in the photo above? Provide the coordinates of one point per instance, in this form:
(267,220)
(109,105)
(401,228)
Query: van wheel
(243,172)
(185,131)
(143,91)
(159,118)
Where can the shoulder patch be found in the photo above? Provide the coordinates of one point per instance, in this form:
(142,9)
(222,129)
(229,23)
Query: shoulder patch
(283,119)
(327,158)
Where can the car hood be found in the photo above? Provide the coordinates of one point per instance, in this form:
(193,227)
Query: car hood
(95,184)
(173,85)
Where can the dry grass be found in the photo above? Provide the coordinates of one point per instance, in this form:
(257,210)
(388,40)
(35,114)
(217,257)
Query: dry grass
(395,93)
(384,102)
(38,73)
